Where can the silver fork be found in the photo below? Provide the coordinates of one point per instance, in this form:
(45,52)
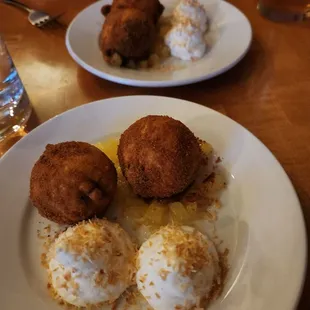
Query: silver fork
(36,18)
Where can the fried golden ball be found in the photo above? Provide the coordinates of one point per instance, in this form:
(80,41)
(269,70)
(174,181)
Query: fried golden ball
(71,182)
(159,156)
(127,34)
(152,8)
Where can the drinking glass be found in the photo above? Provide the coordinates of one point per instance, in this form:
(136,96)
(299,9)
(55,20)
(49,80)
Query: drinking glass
(285,10)
(15,108)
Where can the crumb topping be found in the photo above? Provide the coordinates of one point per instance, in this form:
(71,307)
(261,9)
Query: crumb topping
(100,243)
(190,247)
(163,273)
(193,3)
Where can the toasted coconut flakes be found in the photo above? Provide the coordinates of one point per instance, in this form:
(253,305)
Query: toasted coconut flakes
(75,285)
(67,276)
(112,277)
(99,279)
(96,237)
(142,279)
(163,273)
(64,285)
(44,262)
(190,246)
(47,228)
(184,287)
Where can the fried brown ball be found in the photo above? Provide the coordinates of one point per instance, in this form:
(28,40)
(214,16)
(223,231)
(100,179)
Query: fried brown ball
(71,182)
(128,33)
(152,8)
(159,156)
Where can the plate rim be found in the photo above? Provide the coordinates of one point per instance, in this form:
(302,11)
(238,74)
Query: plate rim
(211,111)
(153,84)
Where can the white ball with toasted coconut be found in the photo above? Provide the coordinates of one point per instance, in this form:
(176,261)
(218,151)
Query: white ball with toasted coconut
(193,12)
(91,263)
(177,268)
(186,41)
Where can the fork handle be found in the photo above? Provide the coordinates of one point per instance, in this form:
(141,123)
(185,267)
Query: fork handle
(18,4)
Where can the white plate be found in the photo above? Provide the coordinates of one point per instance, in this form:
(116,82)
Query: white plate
(260,221)
(229,38)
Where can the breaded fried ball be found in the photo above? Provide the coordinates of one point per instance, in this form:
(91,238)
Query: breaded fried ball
(159,156)
(152,8)
(129,33)
(71,182)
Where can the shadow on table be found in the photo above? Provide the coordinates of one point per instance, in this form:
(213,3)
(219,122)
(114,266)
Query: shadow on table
(8,142)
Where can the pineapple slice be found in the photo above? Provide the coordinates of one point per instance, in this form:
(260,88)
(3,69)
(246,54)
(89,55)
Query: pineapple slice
(109,147)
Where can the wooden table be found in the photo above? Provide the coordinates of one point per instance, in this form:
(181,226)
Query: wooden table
(268,92)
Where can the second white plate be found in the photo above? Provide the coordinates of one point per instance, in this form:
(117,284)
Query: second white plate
(229,39)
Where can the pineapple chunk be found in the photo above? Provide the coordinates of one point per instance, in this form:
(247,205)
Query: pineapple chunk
(136,213)
(109,147)
(156,215)
(179,214)
(206,148)
(207,215)
(192,209)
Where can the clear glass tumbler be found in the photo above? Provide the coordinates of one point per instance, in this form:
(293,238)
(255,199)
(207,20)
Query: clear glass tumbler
(15,108)
(285,10)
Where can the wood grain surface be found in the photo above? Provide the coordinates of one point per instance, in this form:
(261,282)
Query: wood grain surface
(268,92)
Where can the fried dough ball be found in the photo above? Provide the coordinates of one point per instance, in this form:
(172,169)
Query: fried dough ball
(128,33)
(71,182)
(152,8)
(159,156)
